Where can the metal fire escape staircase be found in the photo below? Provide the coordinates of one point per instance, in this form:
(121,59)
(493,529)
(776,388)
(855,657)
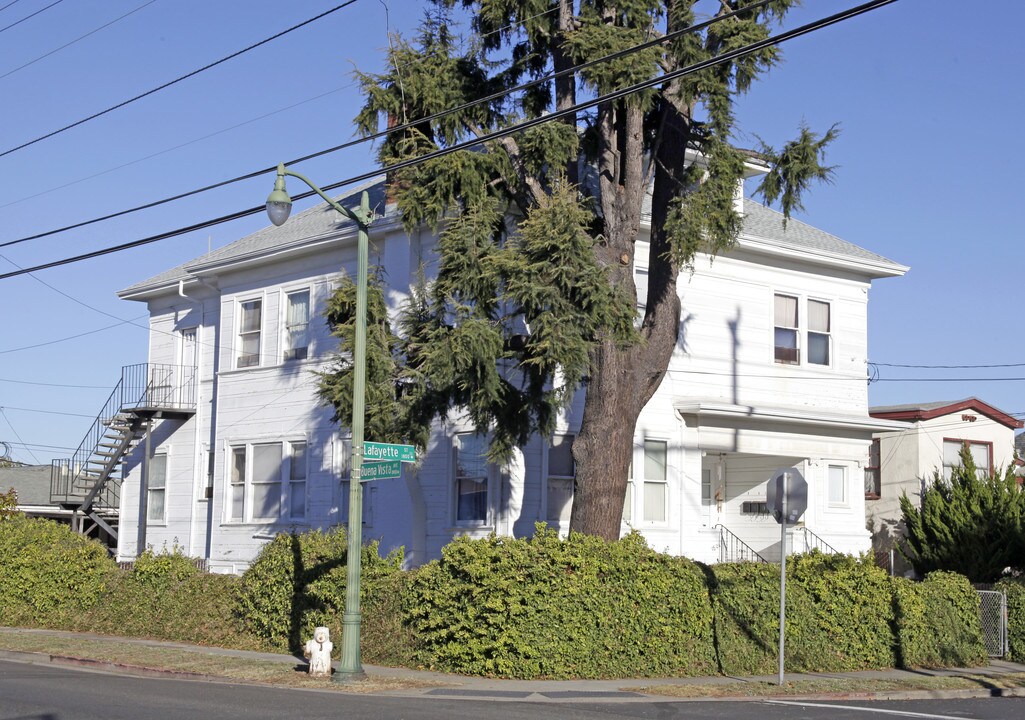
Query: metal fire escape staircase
(89,482)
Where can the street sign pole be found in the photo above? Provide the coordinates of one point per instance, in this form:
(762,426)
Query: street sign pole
(782,571)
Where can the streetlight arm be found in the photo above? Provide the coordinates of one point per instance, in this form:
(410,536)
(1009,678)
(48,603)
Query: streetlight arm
(356,215)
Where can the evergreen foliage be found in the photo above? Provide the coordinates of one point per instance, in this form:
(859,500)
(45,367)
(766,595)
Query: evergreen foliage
(1014,589)
(8,504)
(937,622)
(535,293)
(972,524)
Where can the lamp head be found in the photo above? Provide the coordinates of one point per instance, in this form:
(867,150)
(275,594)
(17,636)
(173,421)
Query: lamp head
(279,204)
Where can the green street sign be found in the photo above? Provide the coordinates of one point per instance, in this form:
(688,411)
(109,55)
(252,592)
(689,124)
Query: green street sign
(380,471)
(377,452)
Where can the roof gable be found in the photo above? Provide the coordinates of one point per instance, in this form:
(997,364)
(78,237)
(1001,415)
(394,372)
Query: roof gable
(927,411)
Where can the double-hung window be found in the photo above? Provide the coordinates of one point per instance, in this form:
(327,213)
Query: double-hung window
(297,325)
(267,482)
(249,325)
(628,501)
(785,330)
(981,452)
(156,489)
(655,487)
(471,480)
(873,478)
(561,475)
(794,330)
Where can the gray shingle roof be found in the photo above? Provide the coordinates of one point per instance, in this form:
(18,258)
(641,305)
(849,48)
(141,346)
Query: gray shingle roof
(308,226)
(31,482)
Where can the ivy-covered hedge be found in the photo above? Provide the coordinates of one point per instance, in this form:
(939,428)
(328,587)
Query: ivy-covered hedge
(544,607)
(1015,591)
(49,575)
(298,582)
(937,622)
(838,615)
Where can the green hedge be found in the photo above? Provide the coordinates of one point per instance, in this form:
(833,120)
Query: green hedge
(937,622)
(838,615)
(49,575)
(298,582)
(545,607)
(1015,590)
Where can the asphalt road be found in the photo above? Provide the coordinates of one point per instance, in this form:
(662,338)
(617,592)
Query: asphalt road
(38,692)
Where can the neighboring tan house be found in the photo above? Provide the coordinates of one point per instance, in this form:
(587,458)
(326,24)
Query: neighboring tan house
(906,460)
(770,372)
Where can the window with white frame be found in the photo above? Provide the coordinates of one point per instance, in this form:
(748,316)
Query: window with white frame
(297,325)
(818,332)
(250,322)
(981,452)
(471,479)
(561,476)
(837,485)
(791,333)
(268,482)
(873,472)
(628,501)
(655,487)
(706,487)
(156,489)
(785,330)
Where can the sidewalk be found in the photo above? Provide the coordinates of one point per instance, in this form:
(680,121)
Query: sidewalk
(986,680)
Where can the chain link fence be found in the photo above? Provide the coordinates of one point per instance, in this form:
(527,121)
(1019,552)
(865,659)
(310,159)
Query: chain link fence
(993,607)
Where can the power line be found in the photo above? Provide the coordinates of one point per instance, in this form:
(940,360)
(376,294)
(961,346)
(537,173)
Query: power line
(400,128)
(15,431)
(19,22)
(80,37)
(12,2)
(46,412)
(482,139)
(948,367)
(175,81)
(60,385)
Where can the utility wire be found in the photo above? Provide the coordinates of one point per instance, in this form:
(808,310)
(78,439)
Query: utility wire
(175,81)
(19,22)
(12,2)
(482,139)
(80,37)
(46,412)
(404,126)
(948,367)
(60,385)
(15,431)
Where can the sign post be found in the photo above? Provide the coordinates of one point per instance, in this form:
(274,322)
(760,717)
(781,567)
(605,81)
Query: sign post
(787,497)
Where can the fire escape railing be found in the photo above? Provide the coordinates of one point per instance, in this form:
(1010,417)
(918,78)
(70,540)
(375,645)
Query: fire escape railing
(143,387)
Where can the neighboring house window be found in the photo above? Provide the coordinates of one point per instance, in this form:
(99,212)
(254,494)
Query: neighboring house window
(785,330)
(628,502)
(873,477)
(268,482)
(156,488)
(297,470)
(818,332)
(837,489)
(238,484)
(250,320)
(655,489)
(982,454)
(471,479)
(561,474)
(297,325)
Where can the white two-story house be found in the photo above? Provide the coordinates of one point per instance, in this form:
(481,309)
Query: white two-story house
(770,372)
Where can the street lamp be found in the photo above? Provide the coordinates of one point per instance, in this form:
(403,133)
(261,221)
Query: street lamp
(279,205)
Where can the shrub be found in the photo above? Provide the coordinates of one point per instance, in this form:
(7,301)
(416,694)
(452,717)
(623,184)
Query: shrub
(164,596)
(1014,588)
(50,575)
(838,615)
(546,607)
(937,622)
(298,582)
(8,503)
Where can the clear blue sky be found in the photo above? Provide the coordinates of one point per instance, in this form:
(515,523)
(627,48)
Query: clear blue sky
(928,94)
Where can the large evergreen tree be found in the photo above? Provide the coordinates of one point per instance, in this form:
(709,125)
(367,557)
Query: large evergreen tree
(970,524)
(534,295)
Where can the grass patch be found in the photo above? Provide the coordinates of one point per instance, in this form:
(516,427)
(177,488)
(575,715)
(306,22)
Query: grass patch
(761,688)
(156,657)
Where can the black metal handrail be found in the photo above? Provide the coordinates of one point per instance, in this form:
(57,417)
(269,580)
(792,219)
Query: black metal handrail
(145,386)
(814,542)
(733,549)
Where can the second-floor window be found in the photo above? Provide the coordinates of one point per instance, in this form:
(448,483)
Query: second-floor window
(297,325)
(793,330)
(249,324)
